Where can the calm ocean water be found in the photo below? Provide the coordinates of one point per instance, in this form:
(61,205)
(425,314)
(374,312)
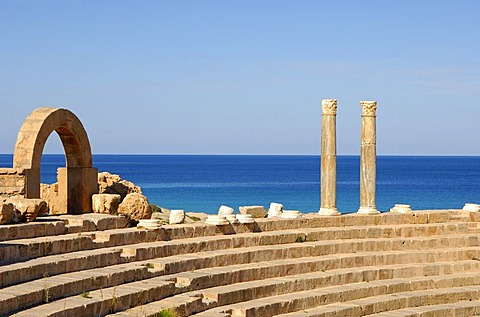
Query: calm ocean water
(203,183)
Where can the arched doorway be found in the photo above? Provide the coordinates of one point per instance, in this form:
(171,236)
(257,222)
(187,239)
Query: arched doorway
(77,182)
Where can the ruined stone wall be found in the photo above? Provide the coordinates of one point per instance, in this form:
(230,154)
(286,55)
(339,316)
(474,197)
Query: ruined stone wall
(12,182)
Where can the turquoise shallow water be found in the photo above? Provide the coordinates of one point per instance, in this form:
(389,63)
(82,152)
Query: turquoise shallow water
(203,183)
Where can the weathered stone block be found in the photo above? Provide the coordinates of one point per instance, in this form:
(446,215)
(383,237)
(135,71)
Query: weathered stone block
(6,212)
(225,210)
(275,210)
(255,211)
(135,207)
(176,217)
(105,203)
(27,210)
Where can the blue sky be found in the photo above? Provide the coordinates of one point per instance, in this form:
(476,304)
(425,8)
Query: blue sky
(245,77)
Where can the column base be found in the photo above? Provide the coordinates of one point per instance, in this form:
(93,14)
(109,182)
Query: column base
(368,210)
(329,212)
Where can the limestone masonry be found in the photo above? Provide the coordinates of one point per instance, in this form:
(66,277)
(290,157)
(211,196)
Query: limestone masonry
(131,258)
(422,263)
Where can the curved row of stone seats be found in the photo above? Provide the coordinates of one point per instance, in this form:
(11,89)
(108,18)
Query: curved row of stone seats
(131,294)
(359,299)
(470,308)
(258,289)
(21,247)
(68,284)
(170,257)
(97,254)
(265,253)
(423,301)
(57,225)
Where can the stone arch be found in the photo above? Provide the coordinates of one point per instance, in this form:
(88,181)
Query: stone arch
(77,182)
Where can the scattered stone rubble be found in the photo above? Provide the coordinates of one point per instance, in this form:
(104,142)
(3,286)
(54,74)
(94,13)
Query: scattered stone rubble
(255,211)
(176,217)
(401,208)
(471,207)
(106,203)
(275,210)
(114,184)
(135,207)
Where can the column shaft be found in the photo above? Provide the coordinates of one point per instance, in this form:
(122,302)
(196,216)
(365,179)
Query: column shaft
(368,158)
(328,170)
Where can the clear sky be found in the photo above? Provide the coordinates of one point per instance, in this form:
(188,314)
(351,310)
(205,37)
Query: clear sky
(245,77)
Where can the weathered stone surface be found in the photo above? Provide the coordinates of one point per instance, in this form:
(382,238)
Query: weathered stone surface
(106,203)
(368,156)
(77,185)
(275,210)
(49,193)
(114,184)
(12,182)
(176,217)
(192,217)
(27,210)
(135,207)
(328,171)
(6,212)
(225,210)
(255,211)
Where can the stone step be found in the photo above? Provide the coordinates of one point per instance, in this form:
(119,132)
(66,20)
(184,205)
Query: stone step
(32,230)
(21,272)
(233,292)
(466,308)
(25,249)
(57,225)
(145,251)
(63,224)
(66,284)
(104,301)
(360,299)
(40,291)
(52,265)
(432,302)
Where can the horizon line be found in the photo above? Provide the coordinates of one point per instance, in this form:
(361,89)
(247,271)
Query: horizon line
(256,154)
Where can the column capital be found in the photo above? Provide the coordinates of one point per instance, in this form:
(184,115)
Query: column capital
(329,107)
(369,108)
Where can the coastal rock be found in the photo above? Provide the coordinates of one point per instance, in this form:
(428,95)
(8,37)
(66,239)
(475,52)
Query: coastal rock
(6,212)
(105,203)
(255,211)
(114,184)
(225,210)
(176,217)
(275,210)
(27,210)
(135,207)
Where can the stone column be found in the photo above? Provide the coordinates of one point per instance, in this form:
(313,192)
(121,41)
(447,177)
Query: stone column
(368,157)
(328,171)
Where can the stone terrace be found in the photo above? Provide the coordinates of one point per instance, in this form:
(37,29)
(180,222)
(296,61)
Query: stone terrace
(425,263)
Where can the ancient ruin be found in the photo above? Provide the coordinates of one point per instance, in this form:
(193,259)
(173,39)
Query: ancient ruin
(77,182)
(328,172)
(400,263)
(368,158)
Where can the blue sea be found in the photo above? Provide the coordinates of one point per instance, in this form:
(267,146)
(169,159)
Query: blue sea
(203,183)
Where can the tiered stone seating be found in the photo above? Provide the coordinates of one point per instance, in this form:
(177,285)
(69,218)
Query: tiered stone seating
(405,264)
